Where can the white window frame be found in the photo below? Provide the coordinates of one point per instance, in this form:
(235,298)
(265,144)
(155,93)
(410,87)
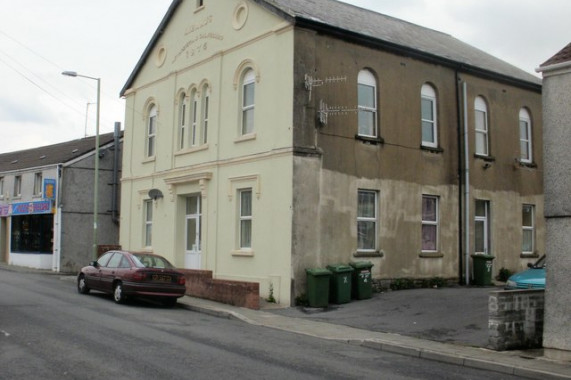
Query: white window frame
(193,118)
(428,94)
(368,219)
(485,220)
(530,229)
(481,130)
(148,223)
(1,187)
(38,179)
(182,120)
(17,186)
(248,79)
(368,80)
(525,137)
(245,218)
(431,223)
(151,143)
(205,113)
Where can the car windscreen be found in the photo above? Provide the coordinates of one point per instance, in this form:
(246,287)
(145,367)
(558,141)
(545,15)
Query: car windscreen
(151,261)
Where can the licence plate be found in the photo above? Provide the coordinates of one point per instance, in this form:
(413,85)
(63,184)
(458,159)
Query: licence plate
(161,278)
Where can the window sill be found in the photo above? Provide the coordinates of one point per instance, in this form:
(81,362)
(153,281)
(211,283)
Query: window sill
(193,149)
(370,140)
(534,255)
(199,9)
(149,159)
(525,164)
(369,254)
(431,255)
(432,149)
(243,253)
(248,137)
(485,158)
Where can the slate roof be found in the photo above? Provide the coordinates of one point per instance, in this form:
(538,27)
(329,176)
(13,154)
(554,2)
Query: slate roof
(365,26)
(564,55)
(51,154)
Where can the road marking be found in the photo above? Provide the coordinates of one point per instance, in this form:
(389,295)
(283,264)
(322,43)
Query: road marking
(6,334)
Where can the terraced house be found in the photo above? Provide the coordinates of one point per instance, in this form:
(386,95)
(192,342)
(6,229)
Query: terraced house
(266,137)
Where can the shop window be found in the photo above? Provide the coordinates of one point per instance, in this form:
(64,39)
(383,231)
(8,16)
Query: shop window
(32,234)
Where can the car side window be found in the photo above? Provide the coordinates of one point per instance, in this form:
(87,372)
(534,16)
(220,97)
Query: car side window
(115,260)
(124,262)
(102,261)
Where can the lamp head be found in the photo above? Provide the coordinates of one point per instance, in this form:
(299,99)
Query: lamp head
(69,73)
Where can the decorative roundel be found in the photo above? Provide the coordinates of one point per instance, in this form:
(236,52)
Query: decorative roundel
(160,56)
(240,16)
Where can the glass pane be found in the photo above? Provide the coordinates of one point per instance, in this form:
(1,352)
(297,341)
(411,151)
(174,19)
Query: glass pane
(245,234)
(246,203)
(366,235)
(366,204)
(367,123)
(524,147)
(523,130)
(481,146)
(527,216)
(366,96)
(148,211)
(152,125)
(481,121)
(427,109)
(428,131)
(192,205)
(429,238)
(148,234)
(481,208)
(191,235)
(429,209)
(248,121)
(479,234)
(151,147)
(527,243)
(249,91)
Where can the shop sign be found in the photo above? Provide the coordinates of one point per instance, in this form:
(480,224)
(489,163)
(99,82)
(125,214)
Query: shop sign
(50,189)
(42,207)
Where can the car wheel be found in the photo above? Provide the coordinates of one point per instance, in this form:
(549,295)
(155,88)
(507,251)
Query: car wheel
(118,295)
(169,302)
(82,287)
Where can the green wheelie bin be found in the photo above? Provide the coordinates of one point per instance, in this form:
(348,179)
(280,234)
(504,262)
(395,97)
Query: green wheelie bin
(318,287)
(482,269)
(362,287)
(340,284)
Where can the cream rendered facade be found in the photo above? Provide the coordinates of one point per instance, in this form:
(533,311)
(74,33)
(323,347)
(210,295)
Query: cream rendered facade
(213,46)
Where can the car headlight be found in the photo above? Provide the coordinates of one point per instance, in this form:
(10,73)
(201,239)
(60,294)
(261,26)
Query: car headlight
(510,284)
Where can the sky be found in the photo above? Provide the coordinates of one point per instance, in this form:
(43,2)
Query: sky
(105,39)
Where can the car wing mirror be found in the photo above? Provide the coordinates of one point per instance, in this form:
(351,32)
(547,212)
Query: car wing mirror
(530,265)
(94,264)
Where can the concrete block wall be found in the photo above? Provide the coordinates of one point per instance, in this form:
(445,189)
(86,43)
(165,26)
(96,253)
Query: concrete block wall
(199,283)
(516,319)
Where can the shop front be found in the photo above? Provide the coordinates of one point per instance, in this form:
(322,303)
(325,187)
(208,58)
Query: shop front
(30,227)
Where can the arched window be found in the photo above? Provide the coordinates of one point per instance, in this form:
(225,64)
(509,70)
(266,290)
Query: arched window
(182,122)
(525,136)
(429,116)
(367,104)
(151,131)
(205,106)
(481,127)
(193,117)
(248,102)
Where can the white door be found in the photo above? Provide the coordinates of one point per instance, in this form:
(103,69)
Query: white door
(193,229)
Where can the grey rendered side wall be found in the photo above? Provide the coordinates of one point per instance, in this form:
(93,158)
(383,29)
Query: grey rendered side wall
(557,182)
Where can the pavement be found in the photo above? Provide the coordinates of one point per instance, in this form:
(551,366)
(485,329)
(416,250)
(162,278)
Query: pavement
(447,325)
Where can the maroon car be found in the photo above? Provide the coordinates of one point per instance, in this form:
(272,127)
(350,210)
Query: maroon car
(133,274)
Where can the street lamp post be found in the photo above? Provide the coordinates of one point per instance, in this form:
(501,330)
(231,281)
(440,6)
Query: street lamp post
(96,180)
